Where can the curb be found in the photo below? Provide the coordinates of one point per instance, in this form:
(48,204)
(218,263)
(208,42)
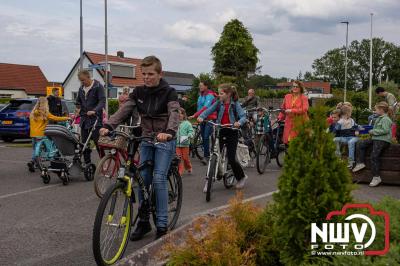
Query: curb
(147,255)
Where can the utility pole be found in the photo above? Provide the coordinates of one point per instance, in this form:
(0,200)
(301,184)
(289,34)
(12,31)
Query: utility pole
(106,55)
(81,38)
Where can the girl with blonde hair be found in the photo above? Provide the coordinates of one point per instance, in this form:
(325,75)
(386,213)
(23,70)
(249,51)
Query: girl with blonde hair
(38,120)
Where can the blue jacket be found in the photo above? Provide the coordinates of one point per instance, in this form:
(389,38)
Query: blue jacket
(220,107)
(204,101)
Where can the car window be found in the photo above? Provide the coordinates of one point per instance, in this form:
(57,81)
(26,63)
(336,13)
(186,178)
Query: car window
(19,105)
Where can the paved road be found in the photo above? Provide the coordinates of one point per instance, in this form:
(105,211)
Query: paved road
(52,224)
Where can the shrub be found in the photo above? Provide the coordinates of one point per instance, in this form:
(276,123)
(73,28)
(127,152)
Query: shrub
(230,239)
(314,182)
(112,106)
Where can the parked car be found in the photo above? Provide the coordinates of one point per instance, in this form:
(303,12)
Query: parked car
(2,105)
(14,118)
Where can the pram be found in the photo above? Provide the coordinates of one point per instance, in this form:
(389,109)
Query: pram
(69,162)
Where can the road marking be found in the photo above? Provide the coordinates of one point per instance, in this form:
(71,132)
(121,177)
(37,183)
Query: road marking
(220,208)
(27,191)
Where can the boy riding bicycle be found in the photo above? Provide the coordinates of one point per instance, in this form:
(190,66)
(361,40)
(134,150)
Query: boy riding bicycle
(157,104)
(229,112)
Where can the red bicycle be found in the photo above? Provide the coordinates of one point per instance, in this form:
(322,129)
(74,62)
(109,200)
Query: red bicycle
(115,157)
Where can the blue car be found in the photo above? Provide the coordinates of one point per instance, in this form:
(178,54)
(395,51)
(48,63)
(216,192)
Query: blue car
(14,118)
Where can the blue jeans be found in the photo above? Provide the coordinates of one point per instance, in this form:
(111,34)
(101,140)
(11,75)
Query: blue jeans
(161,154)
(351,142)
(205,131)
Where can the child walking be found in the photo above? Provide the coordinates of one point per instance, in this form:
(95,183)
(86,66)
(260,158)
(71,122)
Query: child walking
(38,119)
(380,140)
(185,133)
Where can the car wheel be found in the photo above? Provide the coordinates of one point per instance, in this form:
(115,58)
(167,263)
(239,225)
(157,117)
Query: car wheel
(8,139)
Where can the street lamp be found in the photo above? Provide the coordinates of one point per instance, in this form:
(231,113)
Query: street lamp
(370,69)
(345,64)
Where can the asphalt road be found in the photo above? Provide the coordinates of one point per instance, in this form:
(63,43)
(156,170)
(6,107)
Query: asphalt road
(52,224)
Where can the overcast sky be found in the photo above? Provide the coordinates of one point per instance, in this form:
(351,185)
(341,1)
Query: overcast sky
(290,34)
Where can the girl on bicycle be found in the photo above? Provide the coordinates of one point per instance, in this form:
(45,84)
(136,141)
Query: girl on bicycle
(38,120)
(229,112)
(185,133)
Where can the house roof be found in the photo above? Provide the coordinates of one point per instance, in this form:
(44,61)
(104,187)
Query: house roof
(176,78)
(29,78)
(173,78)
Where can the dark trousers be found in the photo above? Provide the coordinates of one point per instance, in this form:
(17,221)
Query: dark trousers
(95,137)
(205,132)
(378,146)
(230,138)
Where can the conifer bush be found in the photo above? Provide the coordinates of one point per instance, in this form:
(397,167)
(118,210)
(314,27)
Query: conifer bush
(314,182)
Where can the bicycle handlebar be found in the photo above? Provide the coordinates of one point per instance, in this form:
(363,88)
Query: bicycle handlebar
(231,126)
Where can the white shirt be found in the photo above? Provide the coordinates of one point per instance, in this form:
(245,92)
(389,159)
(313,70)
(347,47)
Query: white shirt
(87,89)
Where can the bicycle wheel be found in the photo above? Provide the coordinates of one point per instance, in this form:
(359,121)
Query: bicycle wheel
(211,172)
(112,225)
(280,158)
(106,174)
(263,155)
(198,146)
(175,194)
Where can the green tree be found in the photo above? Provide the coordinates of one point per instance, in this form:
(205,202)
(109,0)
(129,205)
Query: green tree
(235,54)
(313,183)
(385,63)
(330,67)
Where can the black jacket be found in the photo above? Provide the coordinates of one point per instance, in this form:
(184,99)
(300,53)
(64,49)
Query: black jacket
(158,108)
(95,100)
(55,105)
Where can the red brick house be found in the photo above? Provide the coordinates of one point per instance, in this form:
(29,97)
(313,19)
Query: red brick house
(21,81)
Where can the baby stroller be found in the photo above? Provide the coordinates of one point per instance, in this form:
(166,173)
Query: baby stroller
(69,162)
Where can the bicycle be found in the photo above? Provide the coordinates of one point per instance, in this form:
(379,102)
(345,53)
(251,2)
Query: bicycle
(218,166)
(271,145)
(115,211)
(196,145)
(115,155)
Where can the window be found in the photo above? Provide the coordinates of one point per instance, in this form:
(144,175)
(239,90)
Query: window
(112,92)
(74,95)
(123,71)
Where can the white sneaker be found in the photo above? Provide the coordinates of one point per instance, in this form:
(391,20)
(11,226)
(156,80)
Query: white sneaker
(358,167)
(205,187)
(376,180)
(241,182)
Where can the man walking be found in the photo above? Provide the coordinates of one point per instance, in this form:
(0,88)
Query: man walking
(90,103)
(54,100)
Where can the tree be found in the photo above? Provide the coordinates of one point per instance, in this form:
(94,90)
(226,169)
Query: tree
(330,67)
(235,54)
(313,183)
(263,81)
(385,63)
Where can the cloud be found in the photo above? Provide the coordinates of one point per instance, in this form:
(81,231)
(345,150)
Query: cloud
(191,33)
(186,4)
(226,15)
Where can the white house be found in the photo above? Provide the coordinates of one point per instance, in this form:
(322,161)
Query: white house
(125,72)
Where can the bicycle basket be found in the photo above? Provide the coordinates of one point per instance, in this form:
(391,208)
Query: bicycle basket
(118,142)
